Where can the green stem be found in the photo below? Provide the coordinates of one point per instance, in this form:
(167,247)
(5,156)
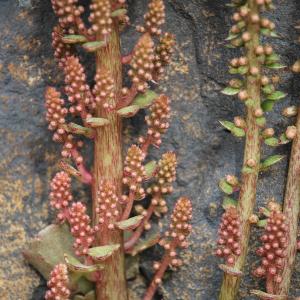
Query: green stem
(291,211)
(247,196)
(108,165)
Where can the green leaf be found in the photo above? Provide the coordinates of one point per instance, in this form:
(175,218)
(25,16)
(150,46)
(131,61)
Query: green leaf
(119,12)
(89,296)
(230,91)
(103,252)
(273,142)
(268,89)
(247,170)
(128,111)
(97,122)
(130,223)
(150,169)
(145,243)
(262,223)
(249,102)
(145,100)
(275,66)
(283,139)
(265,31)
(272,160)
(73,39)
(260,121)
(76,266)
(243,70)
(77,129)
(276,96)
(274,34)
(238,132)
(227,124)
(233,71)
(229,202)
(225,187)
(94,46)
(272,58)
(264,295)
(267,105)
(48,248)
(231,36)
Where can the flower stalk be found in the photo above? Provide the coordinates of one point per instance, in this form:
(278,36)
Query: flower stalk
(98,240)
(256,87)
(291,210)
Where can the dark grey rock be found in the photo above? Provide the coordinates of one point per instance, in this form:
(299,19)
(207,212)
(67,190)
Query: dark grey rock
(205,151)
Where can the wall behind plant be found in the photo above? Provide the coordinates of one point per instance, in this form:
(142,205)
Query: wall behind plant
(205,151)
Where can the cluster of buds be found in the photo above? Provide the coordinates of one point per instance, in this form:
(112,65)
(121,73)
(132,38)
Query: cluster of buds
(56,113)
(80,228)
(179,230)
(163,52)
(60,195)
(142,63)
(157,120)
(68,12)
(154,18)
(77,89)
(107,205)
(229,236)
(165,175)
(274,245)
(134,171)
(61,49)
(58,284)
(100,17)
(70,144)
(103,90)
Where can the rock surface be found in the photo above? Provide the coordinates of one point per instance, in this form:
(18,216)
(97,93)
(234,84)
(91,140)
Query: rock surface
(205,151)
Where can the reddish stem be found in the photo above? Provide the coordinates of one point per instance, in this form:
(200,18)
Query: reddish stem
(138,232)
(129,206)
(146,144)
(86,176)
(127,100)
(126,59)
(166,260)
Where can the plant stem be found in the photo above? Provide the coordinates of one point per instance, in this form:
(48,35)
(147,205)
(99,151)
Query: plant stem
(108,165)
(166,260)
(291,211)
(247,196)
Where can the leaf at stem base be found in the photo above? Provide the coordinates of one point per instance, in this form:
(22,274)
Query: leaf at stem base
(103,252)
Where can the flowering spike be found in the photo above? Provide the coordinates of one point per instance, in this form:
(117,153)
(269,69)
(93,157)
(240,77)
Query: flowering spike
(107,205)
(56,113)
(274,248)
(166,174)
(154,18)
(157,121)
(80,228)
(103,90)
(229,236)
(100,17)
(58,284)
(180,228)
(134,171)
(76,88)
(61,195)
(142,63)
(163,53)
(68,13)
(61,50)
